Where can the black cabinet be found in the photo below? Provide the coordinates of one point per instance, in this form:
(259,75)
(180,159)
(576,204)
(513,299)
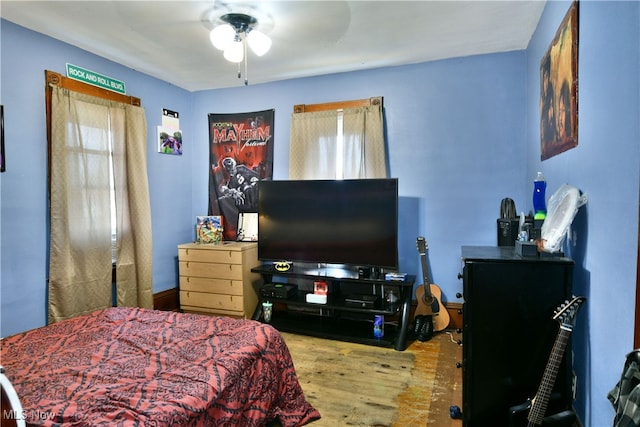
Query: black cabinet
(338,318)
(509,331)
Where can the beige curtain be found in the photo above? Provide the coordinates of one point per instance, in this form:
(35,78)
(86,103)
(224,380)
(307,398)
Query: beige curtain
(133,213)
(313,148)
(80,257)
(364,150)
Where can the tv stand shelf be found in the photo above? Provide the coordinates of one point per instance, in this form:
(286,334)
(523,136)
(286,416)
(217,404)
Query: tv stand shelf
(337,303)
(337,319)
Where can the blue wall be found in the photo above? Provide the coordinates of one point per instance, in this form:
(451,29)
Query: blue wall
(455,138)
(605,165)
(462,135)
(23,201)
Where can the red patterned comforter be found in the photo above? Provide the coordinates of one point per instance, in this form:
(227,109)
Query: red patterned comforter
(130,366)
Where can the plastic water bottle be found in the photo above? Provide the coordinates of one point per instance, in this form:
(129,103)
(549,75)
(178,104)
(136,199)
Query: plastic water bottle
(539,205)
(378,326)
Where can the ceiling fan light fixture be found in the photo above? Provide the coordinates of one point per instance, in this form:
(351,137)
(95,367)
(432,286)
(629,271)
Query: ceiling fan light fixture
(259,42)
(235,51)
(221,36)
(233,36)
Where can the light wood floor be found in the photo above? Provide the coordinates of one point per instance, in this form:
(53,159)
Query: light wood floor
(360,385)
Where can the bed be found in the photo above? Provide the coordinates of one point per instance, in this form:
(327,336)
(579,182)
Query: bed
(131,366)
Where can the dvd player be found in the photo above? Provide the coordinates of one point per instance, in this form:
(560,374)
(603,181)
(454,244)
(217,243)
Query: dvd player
(363,301)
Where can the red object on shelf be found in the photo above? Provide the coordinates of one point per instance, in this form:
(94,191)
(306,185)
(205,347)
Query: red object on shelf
(320,287)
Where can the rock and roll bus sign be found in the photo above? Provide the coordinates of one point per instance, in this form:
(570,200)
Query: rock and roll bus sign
(95,79)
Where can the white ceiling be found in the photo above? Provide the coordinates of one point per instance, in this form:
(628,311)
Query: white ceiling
(170,39)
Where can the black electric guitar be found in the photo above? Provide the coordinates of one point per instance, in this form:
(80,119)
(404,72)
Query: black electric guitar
(536,408)
(428,295)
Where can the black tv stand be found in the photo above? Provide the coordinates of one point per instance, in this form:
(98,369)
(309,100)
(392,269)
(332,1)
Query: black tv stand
(339,318)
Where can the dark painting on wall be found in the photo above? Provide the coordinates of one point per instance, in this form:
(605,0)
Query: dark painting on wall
(559,89)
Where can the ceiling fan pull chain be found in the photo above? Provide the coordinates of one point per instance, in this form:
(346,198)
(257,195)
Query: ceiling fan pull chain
(246,57)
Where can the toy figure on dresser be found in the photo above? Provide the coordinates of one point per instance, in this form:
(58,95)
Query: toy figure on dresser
(430,316)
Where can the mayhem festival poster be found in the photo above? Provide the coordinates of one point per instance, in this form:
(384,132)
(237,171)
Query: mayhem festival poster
(241,155)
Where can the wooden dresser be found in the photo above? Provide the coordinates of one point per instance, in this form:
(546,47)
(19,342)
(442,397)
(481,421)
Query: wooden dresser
(217,278)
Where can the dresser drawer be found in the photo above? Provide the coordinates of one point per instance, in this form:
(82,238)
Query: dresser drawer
(213,312)
(219,255)
(211,301)
(212,270)
(214,286)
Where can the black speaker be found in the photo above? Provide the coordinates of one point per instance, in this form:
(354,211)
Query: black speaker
(508,231)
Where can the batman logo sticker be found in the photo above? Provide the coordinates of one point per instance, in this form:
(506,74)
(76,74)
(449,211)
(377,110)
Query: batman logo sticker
(282,265)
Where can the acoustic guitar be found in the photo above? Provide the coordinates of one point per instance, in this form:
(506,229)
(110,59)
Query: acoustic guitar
(428,295)
(536,408)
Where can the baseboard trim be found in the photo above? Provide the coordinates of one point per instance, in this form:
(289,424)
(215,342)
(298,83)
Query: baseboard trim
(455,313)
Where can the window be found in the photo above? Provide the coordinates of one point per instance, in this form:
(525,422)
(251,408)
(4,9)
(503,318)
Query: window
(98,189)
(338,140)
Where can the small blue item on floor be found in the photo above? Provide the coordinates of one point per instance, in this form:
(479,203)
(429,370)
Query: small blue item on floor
(455,412)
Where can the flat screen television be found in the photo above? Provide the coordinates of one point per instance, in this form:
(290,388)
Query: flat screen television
(352,222)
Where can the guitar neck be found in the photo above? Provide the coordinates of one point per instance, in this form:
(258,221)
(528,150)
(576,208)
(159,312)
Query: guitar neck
(541,400)
(423,262)
(425,276)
